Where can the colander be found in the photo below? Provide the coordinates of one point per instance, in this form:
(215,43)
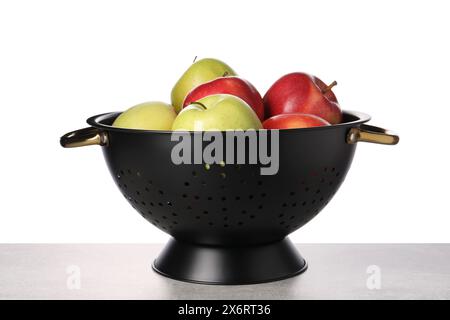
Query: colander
(228,223)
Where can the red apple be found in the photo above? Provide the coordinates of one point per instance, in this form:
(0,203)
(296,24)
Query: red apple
(294,120)
(302,93)
(229,85)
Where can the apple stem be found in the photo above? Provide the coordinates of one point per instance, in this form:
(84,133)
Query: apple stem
(329,87)
(195,59)
(199,104)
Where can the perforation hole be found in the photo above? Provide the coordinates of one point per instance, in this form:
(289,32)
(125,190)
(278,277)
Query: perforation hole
(186,184)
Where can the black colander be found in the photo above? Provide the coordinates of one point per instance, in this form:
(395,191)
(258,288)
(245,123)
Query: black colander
(227,221)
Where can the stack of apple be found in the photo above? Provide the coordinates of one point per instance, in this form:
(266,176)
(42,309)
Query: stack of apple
(210,96)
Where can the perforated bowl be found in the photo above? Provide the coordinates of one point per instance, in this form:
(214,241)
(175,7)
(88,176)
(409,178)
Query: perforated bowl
(227,221)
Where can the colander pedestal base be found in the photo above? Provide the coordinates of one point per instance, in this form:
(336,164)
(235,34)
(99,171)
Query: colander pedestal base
(229,265)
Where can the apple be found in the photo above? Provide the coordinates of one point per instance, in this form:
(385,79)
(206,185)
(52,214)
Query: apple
(302,93)
(294,120)
(199,72)
(152,115)
(217,112)
(229,85)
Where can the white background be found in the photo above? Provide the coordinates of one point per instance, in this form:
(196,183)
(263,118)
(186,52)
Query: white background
(62,61)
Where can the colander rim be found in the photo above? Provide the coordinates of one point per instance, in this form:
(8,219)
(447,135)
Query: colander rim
(96,121)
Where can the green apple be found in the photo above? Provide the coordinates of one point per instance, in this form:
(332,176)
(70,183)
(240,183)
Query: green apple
(217,112)
(152,115)
(199,72)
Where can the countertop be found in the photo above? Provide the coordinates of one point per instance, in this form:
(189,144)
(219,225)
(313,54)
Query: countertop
(123,271)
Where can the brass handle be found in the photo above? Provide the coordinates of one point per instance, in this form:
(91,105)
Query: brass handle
(366,133)
(84,137)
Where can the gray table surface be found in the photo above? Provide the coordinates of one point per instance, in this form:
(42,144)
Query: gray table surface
(122,271)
